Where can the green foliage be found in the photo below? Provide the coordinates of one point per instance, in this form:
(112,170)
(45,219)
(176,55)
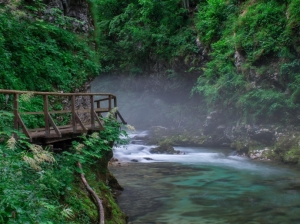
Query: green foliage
(36,185)
(6,122)
(260,30)
(287,149)
(249,42)
(223,91)
(212,18)
(93,147)
(259,103)
(293,28)
(27,194)
(135,33)
(36,55)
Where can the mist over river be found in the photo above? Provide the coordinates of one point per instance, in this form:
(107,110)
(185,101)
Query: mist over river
(204,185)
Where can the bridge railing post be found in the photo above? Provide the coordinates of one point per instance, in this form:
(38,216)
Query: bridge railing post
(46,109)
(98,106)
(115,105)
(16,111)
(109,103)
(92,112)
(74,125)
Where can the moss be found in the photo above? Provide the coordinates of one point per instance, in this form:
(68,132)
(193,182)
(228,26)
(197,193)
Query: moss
(287,148)
(240,146)
(271,154)
(79,200)
(292,156)
(169,137)
(113,213)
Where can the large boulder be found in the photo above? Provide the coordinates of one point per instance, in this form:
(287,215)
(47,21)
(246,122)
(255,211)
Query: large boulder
(164,149)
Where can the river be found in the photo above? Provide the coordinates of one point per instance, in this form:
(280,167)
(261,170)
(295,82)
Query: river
(204,185)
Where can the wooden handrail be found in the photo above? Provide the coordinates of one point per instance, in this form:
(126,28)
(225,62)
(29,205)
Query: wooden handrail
(54,93)
(51,130)
(65,111)
(104,99)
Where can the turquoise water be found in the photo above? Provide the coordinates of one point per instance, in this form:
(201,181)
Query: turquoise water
(206,186)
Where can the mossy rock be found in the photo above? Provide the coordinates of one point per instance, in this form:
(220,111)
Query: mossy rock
(164,149)
(292,156)
(240,146)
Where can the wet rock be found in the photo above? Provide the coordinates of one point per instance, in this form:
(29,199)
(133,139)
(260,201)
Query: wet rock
(134,160)
(254,77)
(239,59)
(210,123)
(114,159)
(256,154)
(215,130)
(164,149)
(147,158)
(220,129)
(137,142)
(259,154)
(141,137)
(77,12)
(113,182)
(263,135)
(158,128)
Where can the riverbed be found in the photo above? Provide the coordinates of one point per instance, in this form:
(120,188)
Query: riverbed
(204,185)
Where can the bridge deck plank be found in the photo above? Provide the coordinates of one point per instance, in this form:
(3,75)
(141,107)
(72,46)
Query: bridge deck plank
(65,130)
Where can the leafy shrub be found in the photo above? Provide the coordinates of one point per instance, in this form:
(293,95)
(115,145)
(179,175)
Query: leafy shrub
(34,50)
(137,33)
(264,105)
(260,29)
(212,18)
(36,184)
(263,33)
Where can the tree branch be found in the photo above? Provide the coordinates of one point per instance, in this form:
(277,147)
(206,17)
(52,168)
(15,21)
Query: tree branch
(93,193)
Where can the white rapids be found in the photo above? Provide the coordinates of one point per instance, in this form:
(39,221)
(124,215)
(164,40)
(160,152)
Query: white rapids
(136,151)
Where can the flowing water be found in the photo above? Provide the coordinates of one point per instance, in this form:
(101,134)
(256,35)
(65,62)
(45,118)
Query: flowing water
(205,185)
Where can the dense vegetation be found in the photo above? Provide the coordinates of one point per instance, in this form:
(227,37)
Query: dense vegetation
(245,53)
(36,55)
(38,186)
(137,34)
(262,35)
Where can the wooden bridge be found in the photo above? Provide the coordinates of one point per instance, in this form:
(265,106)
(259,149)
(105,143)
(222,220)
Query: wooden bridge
(76,119)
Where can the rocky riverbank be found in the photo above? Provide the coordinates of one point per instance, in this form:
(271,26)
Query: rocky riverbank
(261,142)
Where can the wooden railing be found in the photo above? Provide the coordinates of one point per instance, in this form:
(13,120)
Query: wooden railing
(51,129)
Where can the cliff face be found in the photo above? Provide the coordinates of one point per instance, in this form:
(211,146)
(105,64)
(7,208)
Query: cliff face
(78,10)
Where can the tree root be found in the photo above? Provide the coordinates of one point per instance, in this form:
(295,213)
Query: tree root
(93,193)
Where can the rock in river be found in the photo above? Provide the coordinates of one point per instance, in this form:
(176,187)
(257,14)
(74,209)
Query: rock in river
(164,149)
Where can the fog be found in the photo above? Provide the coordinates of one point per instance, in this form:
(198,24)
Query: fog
(146,101)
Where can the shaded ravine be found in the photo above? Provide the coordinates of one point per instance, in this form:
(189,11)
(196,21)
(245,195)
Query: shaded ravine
(205,186)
